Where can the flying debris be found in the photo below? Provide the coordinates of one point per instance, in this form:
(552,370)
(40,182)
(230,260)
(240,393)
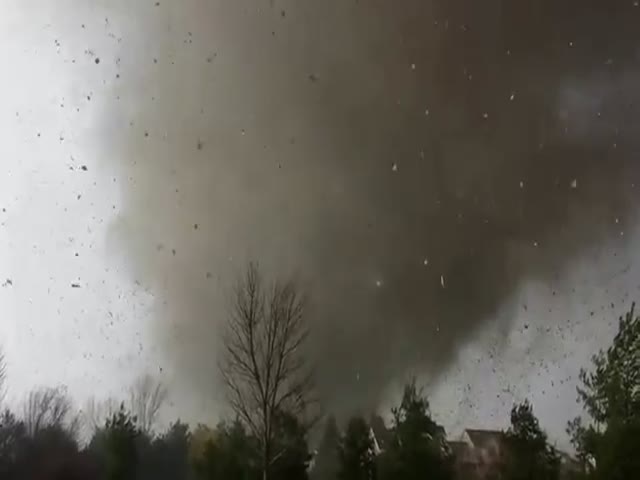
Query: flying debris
(574,183)
(394,167)
(442,280)
(425,262)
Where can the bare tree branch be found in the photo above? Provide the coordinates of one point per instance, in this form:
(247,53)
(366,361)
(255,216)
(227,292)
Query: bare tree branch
(262,366)
(146,397)
(95,413)
(3,376)
(49,407)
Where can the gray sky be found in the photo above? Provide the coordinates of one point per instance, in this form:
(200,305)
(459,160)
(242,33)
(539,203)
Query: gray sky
(455,189)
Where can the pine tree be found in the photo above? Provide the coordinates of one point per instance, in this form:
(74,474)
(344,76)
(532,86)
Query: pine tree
(418,447)
(356,454)
(528,454)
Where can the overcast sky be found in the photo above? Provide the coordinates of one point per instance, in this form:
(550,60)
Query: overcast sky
(455,189)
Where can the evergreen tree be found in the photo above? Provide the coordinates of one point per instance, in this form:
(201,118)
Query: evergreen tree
(356,452)
(326,461)
(114,446)
(231,454)
(528,454)
(418,447)
(610,393)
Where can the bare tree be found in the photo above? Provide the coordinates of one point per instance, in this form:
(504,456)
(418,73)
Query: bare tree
(262,366)
(146,396)
(3,376)
(96,413)
(49,407)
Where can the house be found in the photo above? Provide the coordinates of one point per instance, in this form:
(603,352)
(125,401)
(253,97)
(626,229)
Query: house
(479,454)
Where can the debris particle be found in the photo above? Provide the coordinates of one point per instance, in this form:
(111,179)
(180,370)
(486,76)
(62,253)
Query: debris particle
(521,184)
(485,115)
(574,183)
(425,262)
(8,283)
(442,280)
(394,167)
(313,78)
(97,60)
(512,97)
(84,168)
(75,285)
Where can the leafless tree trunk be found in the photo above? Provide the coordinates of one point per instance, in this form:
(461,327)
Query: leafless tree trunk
(146,396)
(49,407)
(262,366)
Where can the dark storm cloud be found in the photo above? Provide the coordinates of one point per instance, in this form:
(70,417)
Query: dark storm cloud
(412,162)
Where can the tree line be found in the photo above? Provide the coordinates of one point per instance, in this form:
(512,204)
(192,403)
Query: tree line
(269,386)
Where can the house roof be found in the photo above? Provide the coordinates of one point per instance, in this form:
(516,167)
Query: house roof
(484,438)
(458,446)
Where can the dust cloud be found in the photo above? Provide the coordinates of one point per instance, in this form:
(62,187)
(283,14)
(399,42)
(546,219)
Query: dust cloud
(411,163)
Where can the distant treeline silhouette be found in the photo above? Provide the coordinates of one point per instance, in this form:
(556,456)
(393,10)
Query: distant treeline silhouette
(270,390)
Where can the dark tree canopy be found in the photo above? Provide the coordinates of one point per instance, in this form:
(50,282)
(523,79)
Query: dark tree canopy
(356,453)
(326,460)
(610,394)
(417,447)
(528,453)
